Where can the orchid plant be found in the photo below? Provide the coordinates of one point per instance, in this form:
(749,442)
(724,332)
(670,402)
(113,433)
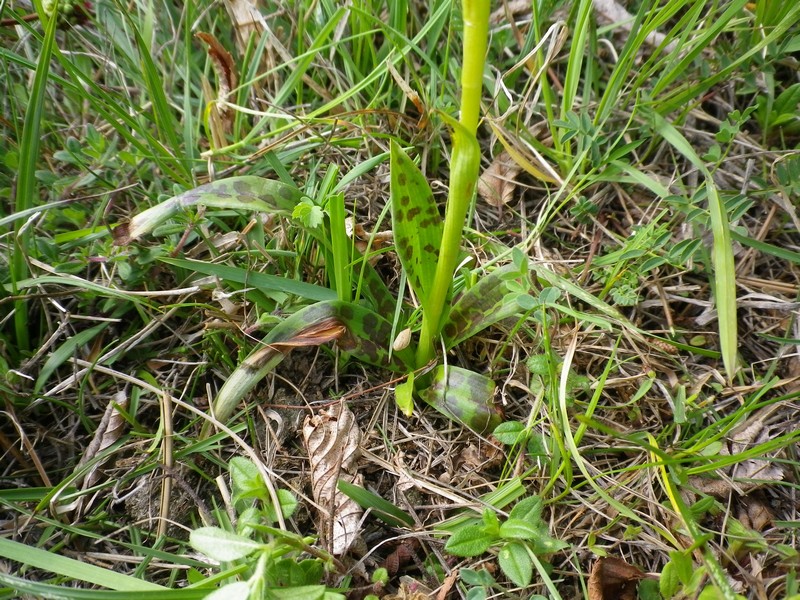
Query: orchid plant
(428,248)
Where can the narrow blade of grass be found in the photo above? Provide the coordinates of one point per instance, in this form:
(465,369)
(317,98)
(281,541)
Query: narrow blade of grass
(27,188)
(69,567)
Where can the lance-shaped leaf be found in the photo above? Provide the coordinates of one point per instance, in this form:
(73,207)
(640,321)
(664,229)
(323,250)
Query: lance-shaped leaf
(358,331)
(416,222)
(489,301)
(464,396)
(247,193)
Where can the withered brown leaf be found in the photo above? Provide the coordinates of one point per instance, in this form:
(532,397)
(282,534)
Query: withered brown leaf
(496,185)
(333,442)
(613,579)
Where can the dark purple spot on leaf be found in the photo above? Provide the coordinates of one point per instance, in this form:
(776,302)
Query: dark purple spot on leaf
(405,200)
(241,188)
(413,213)
(370,323)
(430,248)
(346,312)
(401,178)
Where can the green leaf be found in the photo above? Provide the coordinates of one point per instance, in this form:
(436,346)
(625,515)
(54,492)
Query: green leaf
(69,567)
(246,479)
(263,281)
(724,279)
(238,590)
(288,504)
(305,592)
(381,508)
(529,510)
(222,545)
(468,541)
(487,302)
(416,222)
(464,396)
(491,524)
(682,563)
(473,577)
(510,432)
(517,529)
(516,563)
(65,352)
(308,213)
(669,582)
(357,330)
(404,395)
(246,193)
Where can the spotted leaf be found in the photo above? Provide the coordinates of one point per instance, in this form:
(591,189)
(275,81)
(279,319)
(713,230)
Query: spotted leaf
(247,193)
(489,301)
(416,222)
(464,396)
(359,331)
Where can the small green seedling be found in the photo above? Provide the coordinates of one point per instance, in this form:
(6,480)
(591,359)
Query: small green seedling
(518,540)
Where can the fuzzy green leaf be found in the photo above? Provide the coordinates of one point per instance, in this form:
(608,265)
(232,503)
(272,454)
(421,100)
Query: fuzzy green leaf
(464,396)
(510,432)
(222,545)
(416,222)
(246,479)
(528,509)
(237,590)
(288,504)
(517,529)
(516,563)
(471,540)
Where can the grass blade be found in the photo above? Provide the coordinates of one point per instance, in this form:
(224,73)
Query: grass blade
(69,567)
(722,258)
(724,280)
(27,189)
(384,510)
(262,281)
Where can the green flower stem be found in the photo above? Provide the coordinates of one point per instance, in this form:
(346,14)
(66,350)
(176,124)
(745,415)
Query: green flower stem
(464,166)
(476,38)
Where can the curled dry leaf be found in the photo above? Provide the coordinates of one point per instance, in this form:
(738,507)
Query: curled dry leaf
(496,185)
(333,440)
(613,579)
(110,429)
(223,64)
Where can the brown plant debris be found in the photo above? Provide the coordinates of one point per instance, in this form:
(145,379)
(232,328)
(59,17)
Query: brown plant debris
(613,579)
(333,442)
(497,183)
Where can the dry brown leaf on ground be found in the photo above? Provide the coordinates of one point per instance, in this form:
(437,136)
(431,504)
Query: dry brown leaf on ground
(333,442)
(613,579)
(751,473)
(497,183)
(109,430)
